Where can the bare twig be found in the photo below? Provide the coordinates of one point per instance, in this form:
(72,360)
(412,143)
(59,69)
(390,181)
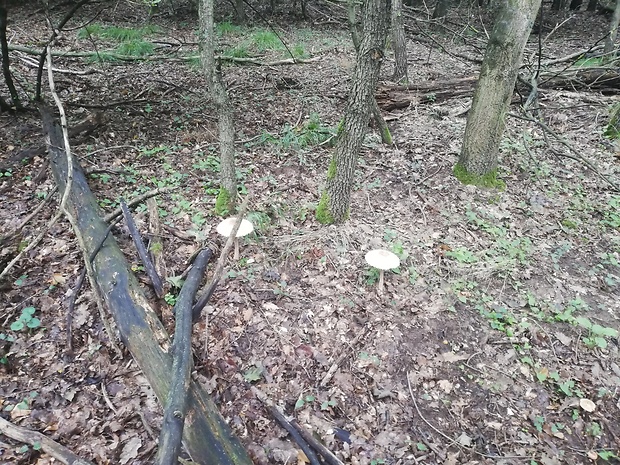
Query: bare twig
(217,274)
(176,408)
(576,155)
(137,200)
(142,253)
(329,457)
(58,451)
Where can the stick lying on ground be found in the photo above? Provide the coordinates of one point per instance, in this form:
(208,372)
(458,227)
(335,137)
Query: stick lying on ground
(58,451)
(207,438)
(176,409)
(146,261)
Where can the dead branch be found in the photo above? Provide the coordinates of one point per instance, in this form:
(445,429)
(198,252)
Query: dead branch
(142,253)
(156,246)
(58,451)
(138,200)
(575,154)
(219,269)
(327,454)
(176,409)
(115,56)
(208,438)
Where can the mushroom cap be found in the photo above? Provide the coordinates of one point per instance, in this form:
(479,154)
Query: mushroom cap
(382,259)
(226,227)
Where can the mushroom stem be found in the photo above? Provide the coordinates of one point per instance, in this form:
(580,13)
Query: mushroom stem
(380,286)
(236,254)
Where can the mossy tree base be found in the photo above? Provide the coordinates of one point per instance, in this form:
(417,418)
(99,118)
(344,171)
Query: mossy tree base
(224,203)
(489,180)
(323,215)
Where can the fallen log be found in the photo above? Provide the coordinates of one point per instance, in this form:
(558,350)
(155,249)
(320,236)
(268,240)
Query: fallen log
(389,98)
(206,436)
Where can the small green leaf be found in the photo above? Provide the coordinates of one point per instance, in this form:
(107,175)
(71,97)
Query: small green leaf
(253,373)
(17,325)
(606,454)
(422,447)
(600,342)
(583,321)
(21,280)
(299,404)
(29,311)
(603,331)
(36,446)
(34,323)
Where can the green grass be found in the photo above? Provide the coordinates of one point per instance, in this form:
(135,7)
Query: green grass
(135,48)
(591,62)
(227,28)
(264,40)
(118,34)
(239,51)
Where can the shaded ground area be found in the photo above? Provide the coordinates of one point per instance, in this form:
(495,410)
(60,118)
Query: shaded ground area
(499,326)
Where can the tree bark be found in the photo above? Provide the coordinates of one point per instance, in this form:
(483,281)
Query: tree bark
(206,436)
(227,197)
(335,200)
(498,73)
(228,184)
(558,5)
(240,9)
(575,4)
(441,8)
(399,43)
(6,70)
(613,30)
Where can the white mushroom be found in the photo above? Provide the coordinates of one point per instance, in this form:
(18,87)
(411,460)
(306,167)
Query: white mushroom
(225,229)
(382,260)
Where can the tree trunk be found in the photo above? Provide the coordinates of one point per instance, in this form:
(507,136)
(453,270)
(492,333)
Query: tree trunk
(592,4)
(206,436)
(6,70)
(399,43)
(227,196)
(441,8)
(558,5)
(498,73)
(354,26)
(613,30)
(240,9)
(575,4)
(228,184)
(335,200)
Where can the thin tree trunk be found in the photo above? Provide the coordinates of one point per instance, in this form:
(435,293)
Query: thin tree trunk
(485,122)
(441,8)
(240,9)
(575,4)
(228,186)
(227,196)
(399,43)
(558,5)
(6,71)
(335,200)
(384,130)
(206,38)
(613,29)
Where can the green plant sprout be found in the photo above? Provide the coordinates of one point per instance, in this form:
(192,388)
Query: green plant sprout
(26,320)
(303,400)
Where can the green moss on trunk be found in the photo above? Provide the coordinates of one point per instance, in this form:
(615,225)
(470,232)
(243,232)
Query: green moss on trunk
(331,171)
(488,180)
(223,202)
(323,215)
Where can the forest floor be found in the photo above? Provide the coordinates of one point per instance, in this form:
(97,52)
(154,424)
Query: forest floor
(496,340)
